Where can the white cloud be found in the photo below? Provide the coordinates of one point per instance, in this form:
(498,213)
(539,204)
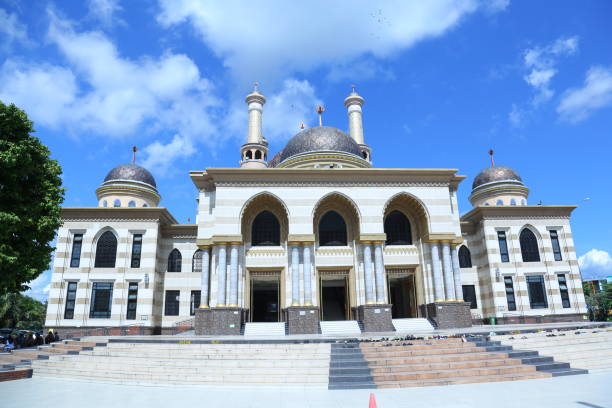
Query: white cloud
(541,63)
(516,116)
(105,11)
(11,29)
(579,103)
(595,264)
(159,156)
(101,92)
(359,70)
(496,6)
(269,41)
(39,287)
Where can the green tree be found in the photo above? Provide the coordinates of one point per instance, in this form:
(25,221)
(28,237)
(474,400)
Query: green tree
(30,196)
(600,303)
(21,312)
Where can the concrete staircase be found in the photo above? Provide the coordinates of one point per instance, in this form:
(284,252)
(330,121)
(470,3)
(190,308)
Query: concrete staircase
(196,363)
(340,328)
(414,325)
(20,360)
(264,329)
(585,348)
(417,363)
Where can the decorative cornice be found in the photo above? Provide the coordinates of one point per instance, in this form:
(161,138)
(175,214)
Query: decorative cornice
(117,214)
(301,238)
(372,238)
(227,239)
(204,243)
(179,231)
(483,212)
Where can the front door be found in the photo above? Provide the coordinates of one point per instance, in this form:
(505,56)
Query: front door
(402,296)
(334,295)
(265,300)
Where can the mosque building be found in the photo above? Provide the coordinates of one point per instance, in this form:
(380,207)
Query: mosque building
(314,234)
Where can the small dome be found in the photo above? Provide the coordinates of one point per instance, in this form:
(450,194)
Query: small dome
(319,138)
(495,173)
(132,172)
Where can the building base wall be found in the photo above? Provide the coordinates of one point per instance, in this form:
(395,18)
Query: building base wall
(449,315)
(81,331)
(302,319)
(570,317)
(218,321)
(375,318)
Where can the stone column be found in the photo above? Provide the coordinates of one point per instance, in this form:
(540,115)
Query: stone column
(295,275)
(221,272)
(457,274)
(369,278)
(307,276)
(380,273)
(449,284)
(437,273)
(233,286)
(205,276)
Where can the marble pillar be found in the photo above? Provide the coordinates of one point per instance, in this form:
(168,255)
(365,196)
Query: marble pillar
(457,274)
(369,278)
(295,275)
(307,276)
(437,273)
(233,283)
(221,275)
(205,277)
(380,273)
(449,284)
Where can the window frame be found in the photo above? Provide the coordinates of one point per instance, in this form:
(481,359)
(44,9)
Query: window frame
(556,245)
(531,280)
(402,234)
(136,251)
(461,254)
(564,291)
(510,296)
(175,261)
(530,249)
(502,241)
(99,262)
(332,237)
(132,301)
(265,229)
(101,314)
(176,303)
(70,303)
(75,254)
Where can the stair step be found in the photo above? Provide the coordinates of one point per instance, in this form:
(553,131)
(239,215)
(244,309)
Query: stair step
(340,328)
(412,325)
(264,329)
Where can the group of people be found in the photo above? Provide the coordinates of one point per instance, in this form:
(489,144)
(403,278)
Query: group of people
(21,339)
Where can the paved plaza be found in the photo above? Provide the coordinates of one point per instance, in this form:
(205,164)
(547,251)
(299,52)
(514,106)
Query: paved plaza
(591,391)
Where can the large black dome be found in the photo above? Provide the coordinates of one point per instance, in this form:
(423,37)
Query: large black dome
(495,173)
(319,138)
(132,172)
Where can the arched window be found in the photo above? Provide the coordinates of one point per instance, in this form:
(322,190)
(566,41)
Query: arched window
(132,203)
(397,228)
(499,202)
(257,155)
(104,203)
(486,204)
(249,154)
(106,251)
(529,246)
(513,202)
(332,230)
(523,202)
(174,261)
(465,257)
(265,230)
(196,264)
(145,205)
(117,203)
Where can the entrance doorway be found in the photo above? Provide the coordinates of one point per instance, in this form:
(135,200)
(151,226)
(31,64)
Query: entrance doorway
(402,296)
(334,297)
(265,300)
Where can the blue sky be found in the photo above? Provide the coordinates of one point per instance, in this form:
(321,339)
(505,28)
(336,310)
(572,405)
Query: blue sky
(443,81)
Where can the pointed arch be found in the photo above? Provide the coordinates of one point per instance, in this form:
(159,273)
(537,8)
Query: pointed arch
(271,205)
(465,257)
(414,210)
(344,207)
(196,262)
(175,260)
(397,228)
(529,245)
(106,250)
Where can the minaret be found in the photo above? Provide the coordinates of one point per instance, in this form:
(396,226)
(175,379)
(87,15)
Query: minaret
(353,102)
(254,153)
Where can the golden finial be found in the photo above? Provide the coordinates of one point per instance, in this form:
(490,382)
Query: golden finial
(134,150)
(492,159)
(302,126)
(320,110)
(256,86)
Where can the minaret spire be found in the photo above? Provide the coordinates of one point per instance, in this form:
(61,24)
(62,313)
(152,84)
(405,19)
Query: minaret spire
(491,152)
(254,153)
(353,102)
